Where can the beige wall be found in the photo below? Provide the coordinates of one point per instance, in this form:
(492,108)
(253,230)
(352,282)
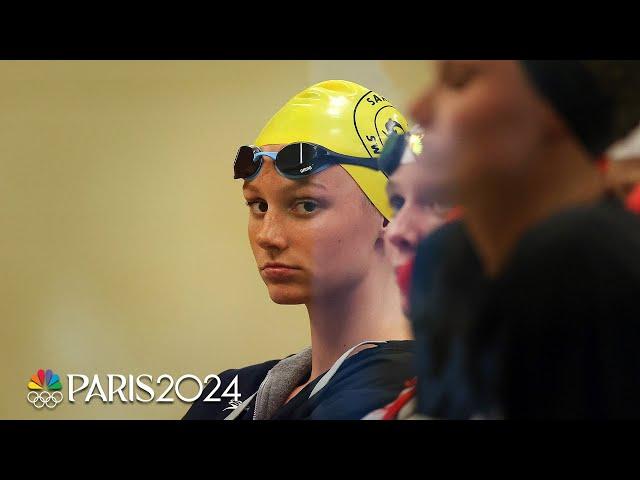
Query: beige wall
(123,244)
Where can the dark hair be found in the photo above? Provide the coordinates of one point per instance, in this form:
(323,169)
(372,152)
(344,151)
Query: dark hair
(620,80)
(599,99)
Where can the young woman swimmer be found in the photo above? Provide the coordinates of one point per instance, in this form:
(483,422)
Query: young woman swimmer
(318,212)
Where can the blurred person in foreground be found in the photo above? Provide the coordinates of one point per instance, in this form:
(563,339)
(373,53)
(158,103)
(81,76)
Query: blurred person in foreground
(528,308)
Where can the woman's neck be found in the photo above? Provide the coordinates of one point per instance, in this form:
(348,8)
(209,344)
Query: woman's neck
(498,217)
(370,310)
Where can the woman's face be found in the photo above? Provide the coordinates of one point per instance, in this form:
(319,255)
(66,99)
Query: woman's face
(419,208)
(484,119)
(311,238)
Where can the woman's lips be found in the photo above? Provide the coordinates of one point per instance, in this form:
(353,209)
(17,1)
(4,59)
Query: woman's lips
(278,271)
(403,277)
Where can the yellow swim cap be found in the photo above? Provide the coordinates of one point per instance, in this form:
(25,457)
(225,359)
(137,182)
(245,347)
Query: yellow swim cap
(344,117)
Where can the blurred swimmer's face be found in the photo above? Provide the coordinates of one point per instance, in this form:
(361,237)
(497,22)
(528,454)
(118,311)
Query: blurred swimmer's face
(313,237)
(420,207)
(484,119)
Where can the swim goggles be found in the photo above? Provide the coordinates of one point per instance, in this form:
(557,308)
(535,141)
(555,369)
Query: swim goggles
(294,161)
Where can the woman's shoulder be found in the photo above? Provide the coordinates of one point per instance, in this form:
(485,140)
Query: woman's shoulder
(250,371)
(238,383)
(366,381)
(390,360)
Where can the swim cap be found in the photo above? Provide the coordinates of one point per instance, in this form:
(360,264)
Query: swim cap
(401,150)
(346,118)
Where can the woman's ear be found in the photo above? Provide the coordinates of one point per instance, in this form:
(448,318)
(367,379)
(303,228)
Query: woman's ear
(383,231)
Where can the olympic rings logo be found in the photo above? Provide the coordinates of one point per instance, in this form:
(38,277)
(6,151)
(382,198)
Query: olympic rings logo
(41,399)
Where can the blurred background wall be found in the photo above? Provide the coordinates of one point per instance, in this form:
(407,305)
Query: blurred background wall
(123,244)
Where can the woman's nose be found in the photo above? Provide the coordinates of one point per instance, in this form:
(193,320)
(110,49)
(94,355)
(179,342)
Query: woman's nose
(401,233)
(271,234)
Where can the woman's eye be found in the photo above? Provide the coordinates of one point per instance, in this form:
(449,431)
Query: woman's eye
(396,202)
(459,77)
(305,207)
(258,206)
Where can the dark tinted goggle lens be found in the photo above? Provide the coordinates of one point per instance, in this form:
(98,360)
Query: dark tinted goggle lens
(297,159)
(392,153)
(244,166)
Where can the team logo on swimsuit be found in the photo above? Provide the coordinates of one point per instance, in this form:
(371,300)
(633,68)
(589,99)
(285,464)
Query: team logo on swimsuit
(233,404)
(375,119)
(44,389)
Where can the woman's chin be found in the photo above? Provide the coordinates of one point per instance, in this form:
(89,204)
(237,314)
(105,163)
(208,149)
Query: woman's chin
(287,295)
